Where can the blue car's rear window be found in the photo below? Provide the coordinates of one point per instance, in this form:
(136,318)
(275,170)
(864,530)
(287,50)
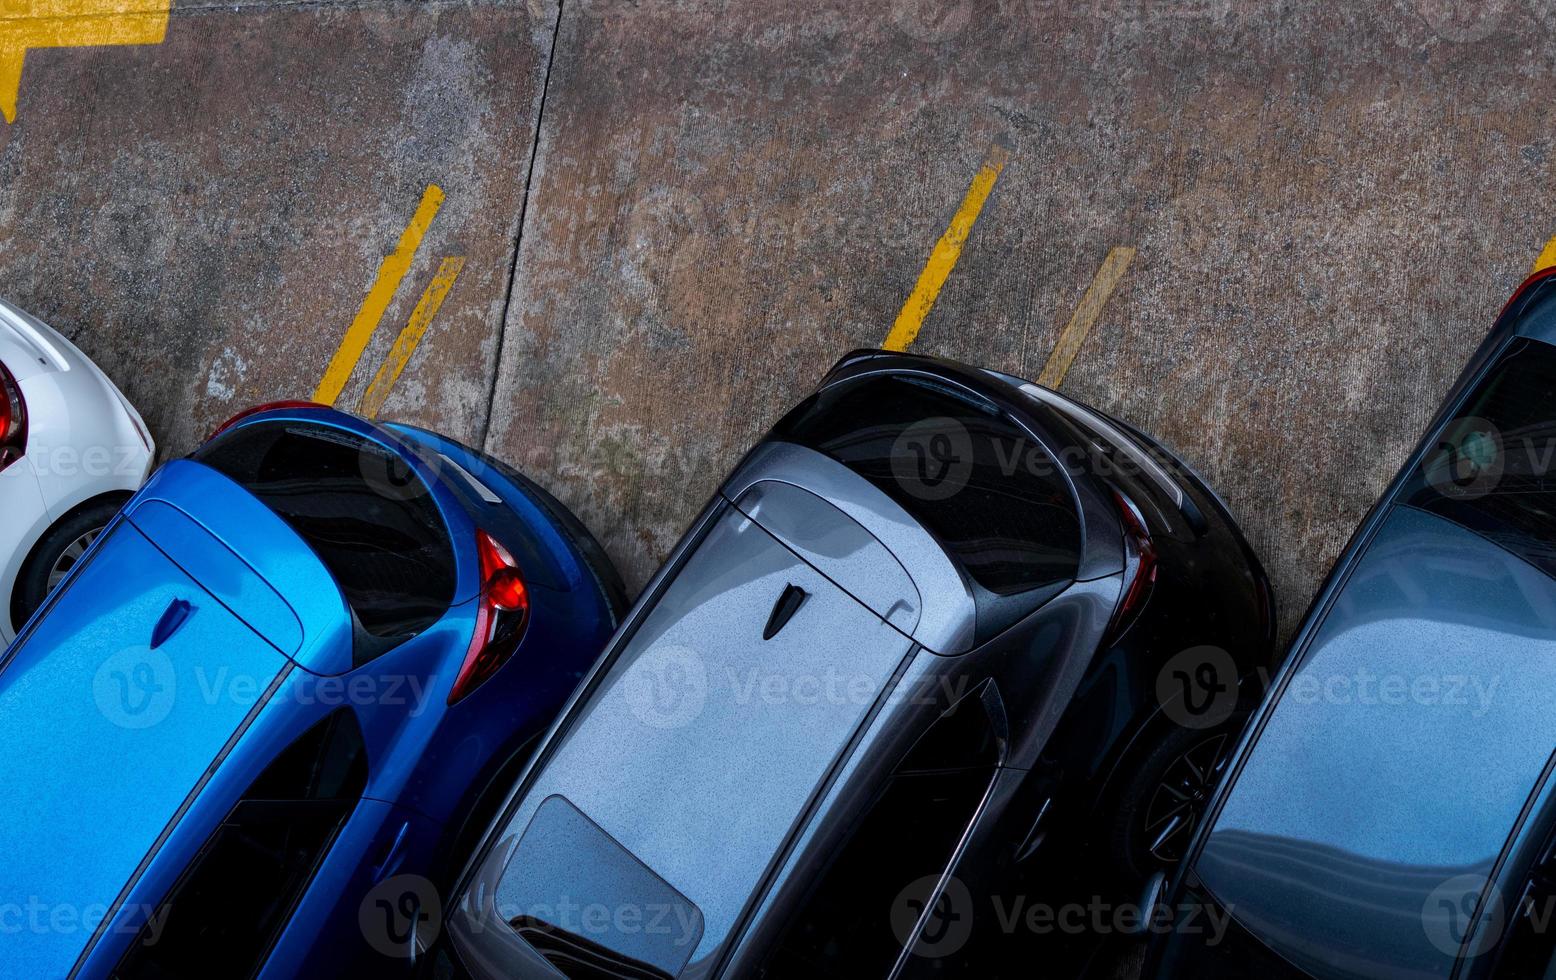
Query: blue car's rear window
(371,521)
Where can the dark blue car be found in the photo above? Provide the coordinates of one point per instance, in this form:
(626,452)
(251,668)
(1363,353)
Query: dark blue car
(252,732)
(1392,809)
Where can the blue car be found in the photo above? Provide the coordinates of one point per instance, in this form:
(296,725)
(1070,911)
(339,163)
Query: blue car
(279,698)
(1391,811)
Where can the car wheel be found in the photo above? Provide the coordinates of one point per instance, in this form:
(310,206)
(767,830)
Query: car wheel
(55,554)
(1163,801)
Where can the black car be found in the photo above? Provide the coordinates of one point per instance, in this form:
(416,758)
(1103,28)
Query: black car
(1391,812)
(919,644)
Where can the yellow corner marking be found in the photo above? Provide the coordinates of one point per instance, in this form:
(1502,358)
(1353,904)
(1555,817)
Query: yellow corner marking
(1547,257)
(1085,316)
(405,344)
(390,271)
(26,24)
(943,259)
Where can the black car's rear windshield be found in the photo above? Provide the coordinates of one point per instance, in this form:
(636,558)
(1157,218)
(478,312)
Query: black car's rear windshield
(371,521)
(992,496)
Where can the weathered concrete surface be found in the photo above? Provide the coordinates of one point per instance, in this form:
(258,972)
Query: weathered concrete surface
(1330,202)
(204,216)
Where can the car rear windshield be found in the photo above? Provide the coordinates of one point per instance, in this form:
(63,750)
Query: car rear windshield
(371,520)
(1493,469)
(992,496)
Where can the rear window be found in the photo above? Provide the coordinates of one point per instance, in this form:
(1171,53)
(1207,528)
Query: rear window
(989,493)
(370,520)
(1493,469)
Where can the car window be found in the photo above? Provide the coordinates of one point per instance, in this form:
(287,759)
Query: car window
(1381,790)
(370,520)
(225,912)
(1493,468)
(989,493)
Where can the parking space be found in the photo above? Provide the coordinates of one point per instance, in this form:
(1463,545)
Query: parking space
(1327,204)
(1268,234)
(207,216)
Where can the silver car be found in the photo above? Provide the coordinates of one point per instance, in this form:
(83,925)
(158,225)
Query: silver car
(910,652)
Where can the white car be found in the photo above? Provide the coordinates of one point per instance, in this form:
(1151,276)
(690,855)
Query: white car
(72,450)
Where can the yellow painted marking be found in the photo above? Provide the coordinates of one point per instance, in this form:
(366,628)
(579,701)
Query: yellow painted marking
(1547,257)
(1085,316)
(390,271)
(943,259)
(405,344)
(26,24)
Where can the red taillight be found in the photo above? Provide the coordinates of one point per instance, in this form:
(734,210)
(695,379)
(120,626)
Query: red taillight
(502,612)
(267,407)
(1139,566)
(13,419)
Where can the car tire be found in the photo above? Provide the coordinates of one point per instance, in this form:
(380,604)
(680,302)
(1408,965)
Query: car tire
(1149,825)
(56,553)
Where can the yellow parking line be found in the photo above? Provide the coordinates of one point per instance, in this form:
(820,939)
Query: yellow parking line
(33,24)
(1085,316)
(390,271)
(943,259)
(405,344)
(1547,257)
